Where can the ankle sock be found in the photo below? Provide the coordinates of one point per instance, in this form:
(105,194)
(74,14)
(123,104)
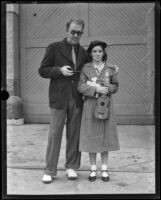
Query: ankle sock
(93,167)
(104,167)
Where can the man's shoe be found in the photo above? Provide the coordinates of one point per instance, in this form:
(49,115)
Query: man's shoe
(105,176)
(92,176)
(71,174)
(47,178)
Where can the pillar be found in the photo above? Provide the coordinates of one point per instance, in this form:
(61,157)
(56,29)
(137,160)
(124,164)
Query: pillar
(14,103)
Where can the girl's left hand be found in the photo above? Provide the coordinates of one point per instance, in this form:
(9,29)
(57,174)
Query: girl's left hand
(102,90)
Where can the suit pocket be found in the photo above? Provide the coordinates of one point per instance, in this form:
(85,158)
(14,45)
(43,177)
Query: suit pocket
(53,92)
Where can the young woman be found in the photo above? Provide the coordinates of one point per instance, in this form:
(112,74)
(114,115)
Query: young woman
(98,135)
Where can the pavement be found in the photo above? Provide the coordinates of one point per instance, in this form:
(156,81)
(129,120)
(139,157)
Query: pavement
(131,169)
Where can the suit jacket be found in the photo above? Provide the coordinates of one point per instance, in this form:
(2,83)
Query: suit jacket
(57,55)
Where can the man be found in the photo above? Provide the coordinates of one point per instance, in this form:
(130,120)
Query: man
(62,64)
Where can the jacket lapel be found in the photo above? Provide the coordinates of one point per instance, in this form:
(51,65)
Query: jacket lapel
(65,51)
(93,72)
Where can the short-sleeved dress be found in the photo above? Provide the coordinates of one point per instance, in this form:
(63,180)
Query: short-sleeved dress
(96,135)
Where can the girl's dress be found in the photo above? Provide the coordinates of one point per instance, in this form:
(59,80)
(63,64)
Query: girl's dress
(96,135)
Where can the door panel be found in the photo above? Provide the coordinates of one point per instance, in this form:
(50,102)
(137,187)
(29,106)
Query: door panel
(128,30)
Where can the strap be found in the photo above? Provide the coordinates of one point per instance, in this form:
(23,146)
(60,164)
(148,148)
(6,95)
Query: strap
(104,171)
(93,171)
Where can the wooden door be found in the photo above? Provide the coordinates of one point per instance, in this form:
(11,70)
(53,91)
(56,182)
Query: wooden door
(128,29)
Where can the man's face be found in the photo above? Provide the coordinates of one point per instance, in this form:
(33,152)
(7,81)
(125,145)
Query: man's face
(74,33)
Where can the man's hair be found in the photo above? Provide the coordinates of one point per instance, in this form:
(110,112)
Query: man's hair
(76,21)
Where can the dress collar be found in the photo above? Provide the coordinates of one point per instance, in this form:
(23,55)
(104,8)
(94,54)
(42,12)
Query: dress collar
(98,69)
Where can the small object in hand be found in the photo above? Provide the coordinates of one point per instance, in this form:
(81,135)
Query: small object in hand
(75,71)
(70,69)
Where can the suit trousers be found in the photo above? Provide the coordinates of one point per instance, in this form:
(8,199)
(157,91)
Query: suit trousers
(72,116)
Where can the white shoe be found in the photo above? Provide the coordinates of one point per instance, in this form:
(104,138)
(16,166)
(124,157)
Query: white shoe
(71,174)
(46,178)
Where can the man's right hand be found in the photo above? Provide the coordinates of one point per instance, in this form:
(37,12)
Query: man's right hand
(66,70)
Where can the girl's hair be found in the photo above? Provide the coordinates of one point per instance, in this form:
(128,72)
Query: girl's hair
(104,58)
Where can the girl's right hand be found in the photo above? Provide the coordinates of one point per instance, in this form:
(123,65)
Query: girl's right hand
(102,90)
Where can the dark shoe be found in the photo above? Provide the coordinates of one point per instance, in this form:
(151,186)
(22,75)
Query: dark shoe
(92,178)
(105,178)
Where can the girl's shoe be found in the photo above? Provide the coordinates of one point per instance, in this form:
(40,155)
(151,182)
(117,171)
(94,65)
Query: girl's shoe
(92,176)
(105,176)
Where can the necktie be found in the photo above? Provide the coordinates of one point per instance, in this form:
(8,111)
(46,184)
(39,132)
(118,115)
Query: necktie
(74,57)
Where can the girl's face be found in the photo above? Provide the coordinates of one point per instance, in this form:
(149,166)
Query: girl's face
(97,53)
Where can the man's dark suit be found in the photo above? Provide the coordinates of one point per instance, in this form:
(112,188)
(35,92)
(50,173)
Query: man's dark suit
(57,55)
(65,103)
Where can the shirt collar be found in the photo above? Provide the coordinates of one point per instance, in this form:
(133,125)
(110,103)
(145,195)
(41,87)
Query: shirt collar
(98,68)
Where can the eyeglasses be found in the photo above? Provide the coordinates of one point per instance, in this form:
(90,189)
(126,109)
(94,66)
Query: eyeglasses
(73,32)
